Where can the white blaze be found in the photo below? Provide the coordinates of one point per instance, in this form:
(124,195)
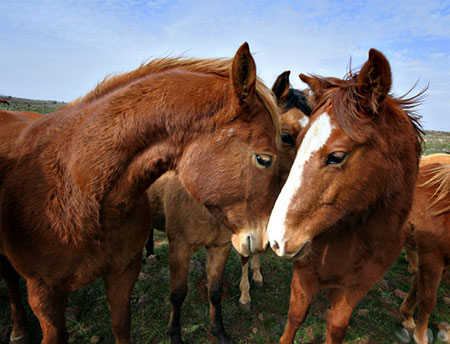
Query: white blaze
(316,136)
(304,121)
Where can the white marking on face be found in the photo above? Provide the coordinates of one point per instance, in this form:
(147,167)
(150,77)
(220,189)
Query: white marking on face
(304,121)
(316,136)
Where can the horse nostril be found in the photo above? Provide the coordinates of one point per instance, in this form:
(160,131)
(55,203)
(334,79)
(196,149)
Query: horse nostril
(275,245)
(249,246)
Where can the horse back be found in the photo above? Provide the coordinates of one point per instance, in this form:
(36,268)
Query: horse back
(430,213)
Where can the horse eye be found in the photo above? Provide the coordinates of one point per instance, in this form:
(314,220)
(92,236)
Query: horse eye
(336,158)
(287,139)
(264,160)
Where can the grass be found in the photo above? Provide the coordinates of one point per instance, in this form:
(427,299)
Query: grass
(375,320)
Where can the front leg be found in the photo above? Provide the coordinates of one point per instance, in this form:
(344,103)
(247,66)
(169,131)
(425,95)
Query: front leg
(256,270)
(49,305)
(118,292)
(215,265)
(343,302)
(244,286)
(179,256)
(19,333)
(429,276)
(304,287)
(408,305)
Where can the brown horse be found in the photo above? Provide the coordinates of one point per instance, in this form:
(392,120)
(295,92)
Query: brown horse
(4,101)
(341,211)
(73,205)
(189,226)
(428,226)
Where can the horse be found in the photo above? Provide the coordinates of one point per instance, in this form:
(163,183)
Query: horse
(189,226)
(428,252)
(4,101)
(340,213)
(73,205)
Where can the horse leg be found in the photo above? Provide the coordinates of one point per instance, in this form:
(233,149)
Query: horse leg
(408,305)
(342,301)
(19,334)
(118,293)
(149,246)
(429,277)
(244,286)
(179,256)
(304,286)
(256,270)
(215,265)
(49,305)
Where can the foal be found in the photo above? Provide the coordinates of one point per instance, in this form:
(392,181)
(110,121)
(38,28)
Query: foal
(340,214)
(428,226)
(73,206)
(189,226)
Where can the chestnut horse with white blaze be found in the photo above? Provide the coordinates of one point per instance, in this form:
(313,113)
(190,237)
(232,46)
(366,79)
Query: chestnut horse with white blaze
(73,205)
(340,213)
(189,226)
(428,241)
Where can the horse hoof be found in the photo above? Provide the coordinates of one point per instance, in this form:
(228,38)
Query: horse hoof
(176,340)
(225,339)
(25,339)
(409,324)
(258,284)
(246,307)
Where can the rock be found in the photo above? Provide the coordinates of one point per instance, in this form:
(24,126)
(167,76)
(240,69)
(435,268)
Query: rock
(142,276)
(94,339)
(385,284)
(443,325)
(261,317)
(446,300)
(362,312)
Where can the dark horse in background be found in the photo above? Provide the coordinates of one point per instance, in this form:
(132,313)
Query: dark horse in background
(189,226)
(340,214)
(73,205)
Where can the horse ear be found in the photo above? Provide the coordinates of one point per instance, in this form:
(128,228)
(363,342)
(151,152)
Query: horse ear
(374,81)
(281,86)
(243,74)
(316,87)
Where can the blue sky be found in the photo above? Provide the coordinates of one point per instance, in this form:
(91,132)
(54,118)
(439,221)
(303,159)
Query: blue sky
(60,50)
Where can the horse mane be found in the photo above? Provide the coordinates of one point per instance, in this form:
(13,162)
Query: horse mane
(218,66)
(440,181)
(298,99)
(347,106)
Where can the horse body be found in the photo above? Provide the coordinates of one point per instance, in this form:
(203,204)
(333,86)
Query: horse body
(73,203)
(340,213)
(428,252)
(190,226)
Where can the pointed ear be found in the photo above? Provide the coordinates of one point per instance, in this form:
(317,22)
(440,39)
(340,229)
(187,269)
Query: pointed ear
(243,74)
(281,86)
(316,87)
(374,81)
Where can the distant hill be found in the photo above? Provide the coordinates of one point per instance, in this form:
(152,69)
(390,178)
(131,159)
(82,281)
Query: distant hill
(436,141)
(23,104)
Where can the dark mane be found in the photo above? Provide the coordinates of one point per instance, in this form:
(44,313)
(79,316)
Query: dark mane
(297,99)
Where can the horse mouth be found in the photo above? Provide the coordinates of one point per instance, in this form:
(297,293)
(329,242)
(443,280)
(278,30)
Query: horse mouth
(302,252)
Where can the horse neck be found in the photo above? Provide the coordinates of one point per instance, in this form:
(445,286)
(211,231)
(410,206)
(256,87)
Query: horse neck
(128,140)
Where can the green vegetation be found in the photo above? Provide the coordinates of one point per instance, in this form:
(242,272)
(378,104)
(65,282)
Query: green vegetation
(375,320)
